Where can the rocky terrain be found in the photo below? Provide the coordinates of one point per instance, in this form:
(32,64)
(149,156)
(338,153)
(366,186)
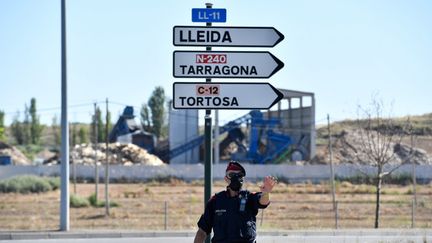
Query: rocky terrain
(126,154)
(348,147)
(17,156)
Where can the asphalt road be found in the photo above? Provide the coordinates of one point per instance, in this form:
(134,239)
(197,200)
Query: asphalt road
(264,239)
(328,236)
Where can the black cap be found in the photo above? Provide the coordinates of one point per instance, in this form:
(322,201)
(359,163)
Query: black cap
(234,165)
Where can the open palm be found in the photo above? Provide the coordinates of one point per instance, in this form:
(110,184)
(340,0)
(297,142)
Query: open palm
(269,183)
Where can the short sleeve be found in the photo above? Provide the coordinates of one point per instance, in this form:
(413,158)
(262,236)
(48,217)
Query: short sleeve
(206,220)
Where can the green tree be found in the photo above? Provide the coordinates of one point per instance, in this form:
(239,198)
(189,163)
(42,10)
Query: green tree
(93,128)
(17,130)
(35,126)
(108,120)
(74,136)
(55,127)
(25,126)
(2,128)
(145,117)
(83,135)
(100,126)
(166,120)
(97,123)
(157,107)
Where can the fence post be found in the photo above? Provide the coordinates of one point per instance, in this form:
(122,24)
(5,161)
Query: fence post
(74,175)
(166,215)
(336,214)
(262,217)
(413,209)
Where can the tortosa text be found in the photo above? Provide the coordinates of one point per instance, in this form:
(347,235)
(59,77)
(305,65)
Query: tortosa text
(208,101)
(211,58)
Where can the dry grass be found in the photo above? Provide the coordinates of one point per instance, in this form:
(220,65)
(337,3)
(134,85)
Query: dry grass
(142,207)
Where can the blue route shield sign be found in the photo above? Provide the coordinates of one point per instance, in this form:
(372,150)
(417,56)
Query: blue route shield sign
(209,15)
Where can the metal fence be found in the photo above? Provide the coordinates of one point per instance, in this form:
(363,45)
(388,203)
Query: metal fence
(166,212)
(183,215)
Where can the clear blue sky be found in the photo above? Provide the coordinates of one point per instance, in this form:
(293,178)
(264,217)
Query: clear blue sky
(343,51)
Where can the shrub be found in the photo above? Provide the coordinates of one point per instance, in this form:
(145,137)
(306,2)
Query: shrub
(283,179)
(346,184)
(78,202)
(161,179)
(357,179)
(54,182)
(398,179)
(28,184)
(92,200)
(364,189)
(100,204)
(112,204)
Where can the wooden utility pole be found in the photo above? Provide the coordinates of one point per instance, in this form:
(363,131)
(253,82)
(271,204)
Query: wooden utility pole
(332,179)
(107,162)
(414,181)
(74,161)
(95,133)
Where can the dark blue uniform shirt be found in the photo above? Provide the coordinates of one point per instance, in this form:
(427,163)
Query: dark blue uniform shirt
(229,223)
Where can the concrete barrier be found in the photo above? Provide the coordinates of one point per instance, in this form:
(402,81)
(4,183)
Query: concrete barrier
(292,173)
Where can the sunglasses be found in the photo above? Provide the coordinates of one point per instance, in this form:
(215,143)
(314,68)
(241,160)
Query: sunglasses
(235,174)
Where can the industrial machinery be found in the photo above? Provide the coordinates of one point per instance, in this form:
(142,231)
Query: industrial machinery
(264,144)
(127,131)
(256,138)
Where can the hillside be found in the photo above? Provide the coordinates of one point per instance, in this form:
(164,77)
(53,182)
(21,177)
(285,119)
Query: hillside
(346,140)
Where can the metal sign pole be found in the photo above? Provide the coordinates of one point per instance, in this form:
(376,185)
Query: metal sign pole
(208,177)
(64,194)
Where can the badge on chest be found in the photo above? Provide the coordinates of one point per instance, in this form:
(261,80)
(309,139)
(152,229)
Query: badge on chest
(220,212)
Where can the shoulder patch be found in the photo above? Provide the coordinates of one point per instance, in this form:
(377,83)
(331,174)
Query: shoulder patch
(216,195)
(212,198)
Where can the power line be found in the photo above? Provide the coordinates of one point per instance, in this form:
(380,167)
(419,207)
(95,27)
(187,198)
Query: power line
(49,112)
(58,108)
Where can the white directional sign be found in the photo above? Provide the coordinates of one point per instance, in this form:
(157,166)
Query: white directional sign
(226,36)
(227,64)
(216,95)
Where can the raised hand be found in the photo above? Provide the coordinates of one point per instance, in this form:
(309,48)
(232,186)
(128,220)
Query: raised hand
(269,183)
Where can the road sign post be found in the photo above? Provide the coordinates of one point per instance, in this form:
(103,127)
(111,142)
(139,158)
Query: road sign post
(208,165)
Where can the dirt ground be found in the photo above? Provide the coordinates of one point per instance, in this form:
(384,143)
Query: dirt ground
(177,205)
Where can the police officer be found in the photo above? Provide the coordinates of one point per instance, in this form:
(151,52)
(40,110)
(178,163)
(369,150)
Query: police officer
(232,213)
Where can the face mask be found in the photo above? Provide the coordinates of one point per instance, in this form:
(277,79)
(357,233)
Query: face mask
(236,182)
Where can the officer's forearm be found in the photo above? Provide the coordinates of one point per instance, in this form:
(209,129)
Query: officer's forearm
(265,198)
(200,236)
